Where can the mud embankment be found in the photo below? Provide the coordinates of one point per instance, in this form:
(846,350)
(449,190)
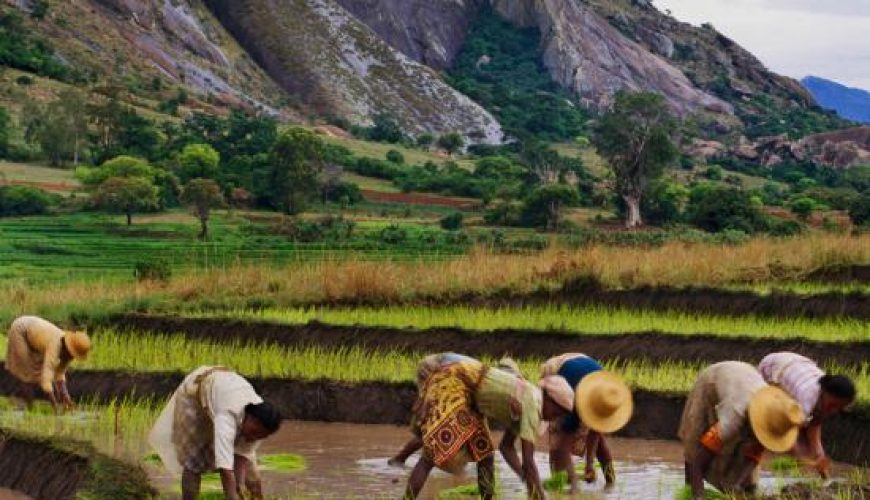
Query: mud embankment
(654,346)
(689,300)
(60,469)
(656,415)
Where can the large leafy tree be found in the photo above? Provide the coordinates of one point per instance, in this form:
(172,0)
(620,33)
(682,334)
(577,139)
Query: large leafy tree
(296,163)
(198,161)
(126,195)
(635,137)
(202,195)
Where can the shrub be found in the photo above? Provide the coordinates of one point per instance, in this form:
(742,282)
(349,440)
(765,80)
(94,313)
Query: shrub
(452,222)
(859,212)
(716,209)
(393,234)
(152,270)
(714,173)
(24,200)
(803,207)
(395,157)
(664,203)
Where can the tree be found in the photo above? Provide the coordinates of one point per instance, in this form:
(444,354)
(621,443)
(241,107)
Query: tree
(5,132)
(202,195)
(120,166)
(451,142)
(24,200)
(60,128)
(198,161)
(296,163)
(126,195)
(396,157)
(39,9)
(635,138)
(543,207)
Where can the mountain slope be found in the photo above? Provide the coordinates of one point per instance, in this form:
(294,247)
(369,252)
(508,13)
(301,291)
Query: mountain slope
(850,103)
(316,50)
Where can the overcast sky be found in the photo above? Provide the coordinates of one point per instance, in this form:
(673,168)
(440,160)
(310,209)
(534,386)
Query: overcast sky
(827,38)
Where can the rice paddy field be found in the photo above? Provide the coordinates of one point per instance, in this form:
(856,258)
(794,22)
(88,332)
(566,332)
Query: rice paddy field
(474,293)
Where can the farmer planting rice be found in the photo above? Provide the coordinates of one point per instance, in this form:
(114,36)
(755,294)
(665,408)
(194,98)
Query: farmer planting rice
(731,416)
(820,396)
(214,420)
(38,352)
(582,432)
(451,416)
(427,367)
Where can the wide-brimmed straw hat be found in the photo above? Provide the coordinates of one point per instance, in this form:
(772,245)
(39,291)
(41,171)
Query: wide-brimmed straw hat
(775,418)
(78,344)
(604,401)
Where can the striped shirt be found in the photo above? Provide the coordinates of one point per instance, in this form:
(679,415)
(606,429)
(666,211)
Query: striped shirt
(797,375)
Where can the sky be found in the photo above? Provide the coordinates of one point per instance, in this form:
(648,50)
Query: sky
(827,38)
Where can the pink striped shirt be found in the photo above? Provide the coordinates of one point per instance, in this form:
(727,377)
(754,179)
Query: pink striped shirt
(797,375)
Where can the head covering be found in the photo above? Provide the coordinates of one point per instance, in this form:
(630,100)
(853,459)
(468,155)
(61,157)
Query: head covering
(559,390)
(775,418)
(509,365)
(604,401)
(77,343)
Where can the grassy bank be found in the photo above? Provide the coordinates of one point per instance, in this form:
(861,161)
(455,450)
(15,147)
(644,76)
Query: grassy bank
(598,320)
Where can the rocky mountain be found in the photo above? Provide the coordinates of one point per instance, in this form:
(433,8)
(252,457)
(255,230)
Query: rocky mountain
(353,59)
(850,103)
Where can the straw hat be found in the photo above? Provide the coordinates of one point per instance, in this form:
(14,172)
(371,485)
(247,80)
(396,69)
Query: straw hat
(775,418)
(78,344)
(604,401)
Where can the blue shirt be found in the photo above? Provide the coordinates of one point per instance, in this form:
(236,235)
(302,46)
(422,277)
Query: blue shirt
(573,371)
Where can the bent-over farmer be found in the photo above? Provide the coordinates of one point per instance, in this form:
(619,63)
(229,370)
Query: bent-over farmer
(731,416)
(214,420)
(821,396)
(428,366)
(38,352)
(452,413)
(572,435)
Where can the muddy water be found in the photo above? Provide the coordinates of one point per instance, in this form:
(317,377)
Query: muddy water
(350,461)
(7,494)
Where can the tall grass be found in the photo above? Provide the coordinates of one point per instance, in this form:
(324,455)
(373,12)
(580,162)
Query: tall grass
(756,262)
(589,320)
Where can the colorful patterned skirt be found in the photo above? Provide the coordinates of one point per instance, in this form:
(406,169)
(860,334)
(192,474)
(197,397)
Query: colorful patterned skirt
(452,429)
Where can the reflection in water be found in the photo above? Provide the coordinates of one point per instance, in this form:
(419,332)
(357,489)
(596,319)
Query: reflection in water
(350,461)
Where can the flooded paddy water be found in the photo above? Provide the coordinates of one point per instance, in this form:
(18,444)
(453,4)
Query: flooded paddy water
(350,461)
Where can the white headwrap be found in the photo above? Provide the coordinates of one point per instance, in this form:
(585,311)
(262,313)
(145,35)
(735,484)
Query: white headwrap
(558,388)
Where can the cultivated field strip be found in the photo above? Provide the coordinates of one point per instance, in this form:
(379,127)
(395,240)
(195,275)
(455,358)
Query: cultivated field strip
(651,346)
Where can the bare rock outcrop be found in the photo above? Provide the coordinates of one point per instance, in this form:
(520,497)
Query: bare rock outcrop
(838,149)
(428,31)
(319,52)
(588,56)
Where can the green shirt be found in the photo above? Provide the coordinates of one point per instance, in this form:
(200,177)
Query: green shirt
(495,395)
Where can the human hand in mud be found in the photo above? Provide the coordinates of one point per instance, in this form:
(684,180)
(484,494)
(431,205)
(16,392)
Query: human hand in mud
(823,467)
(589,473)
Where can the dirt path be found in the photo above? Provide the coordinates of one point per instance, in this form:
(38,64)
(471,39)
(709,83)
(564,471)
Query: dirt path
(519,343)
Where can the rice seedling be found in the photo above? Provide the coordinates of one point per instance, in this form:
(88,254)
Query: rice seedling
(175,353)
(282,462)
(118,428)
(592,319)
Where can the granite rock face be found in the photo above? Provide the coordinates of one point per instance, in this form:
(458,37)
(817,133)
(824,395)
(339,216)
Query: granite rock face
(338,66)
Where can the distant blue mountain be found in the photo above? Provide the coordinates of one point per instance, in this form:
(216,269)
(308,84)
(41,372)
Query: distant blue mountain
(853,104)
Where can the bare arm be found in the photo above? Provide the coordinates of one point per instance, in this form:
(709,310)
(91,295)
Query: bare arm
(530,469)
(814,440)
(246,474)
(230,485)
(510,453)
(562,459)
